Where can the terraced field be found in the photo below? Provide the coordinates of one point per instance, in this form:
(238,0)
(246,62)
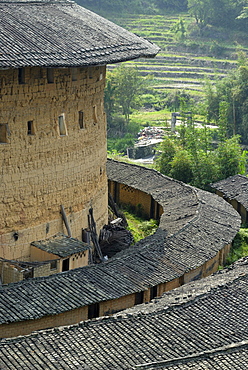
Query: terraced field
(180,65)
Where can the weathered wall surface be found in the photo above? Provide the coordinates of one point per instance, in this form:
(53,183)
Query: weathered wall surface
(140,200)
(23,328)
(44,166)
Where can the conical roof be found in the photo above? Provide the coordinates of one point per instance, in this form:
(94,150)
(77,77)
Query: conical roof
(61,33)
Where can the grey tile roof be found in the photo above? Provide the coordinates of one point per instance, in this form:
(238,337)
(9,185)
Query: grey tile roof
(234,187)
(60,33)
(207,330)
(61,245)
(186,242)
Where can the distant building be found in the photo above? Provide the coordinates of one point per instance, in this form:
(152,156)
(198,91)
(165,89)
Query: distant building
(234,189)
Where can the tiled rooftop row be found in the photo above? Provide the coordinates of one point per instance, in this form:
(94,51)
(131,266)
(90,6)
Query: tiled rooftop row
(234,360)
(186,243)
(234,187)
(61,245)
(208,331)
(62,33)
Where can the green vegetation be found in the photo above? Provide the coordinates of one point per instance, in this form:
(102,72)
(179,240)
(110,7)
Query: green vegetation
(202,68)
(190,157)
(139,227)
(239,247)
(134,6)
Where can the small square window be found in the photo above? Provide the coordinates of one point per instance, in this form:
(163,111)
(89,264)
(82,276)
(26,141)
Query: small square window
(62,126)
(50,75)
(3,133)
(53,265)
(30,128)
(81,119)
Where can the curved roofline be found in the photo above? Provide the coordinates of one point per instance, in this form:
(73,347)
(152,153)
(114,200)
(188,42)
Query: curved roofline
(63,34)
(194,227)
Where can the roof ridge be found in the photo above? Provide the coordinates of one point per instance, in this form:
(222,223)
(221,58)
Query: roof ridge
(199,355)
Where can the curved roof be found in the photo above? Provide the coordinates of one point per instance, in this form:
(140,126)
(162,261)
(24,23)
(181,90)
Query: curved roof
(194,227)
(60,33)
(234,187)
(201,325)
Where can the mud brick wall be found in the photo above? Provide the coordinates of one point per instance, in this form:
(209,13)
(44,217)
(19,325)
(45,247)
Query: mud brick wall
(52,151)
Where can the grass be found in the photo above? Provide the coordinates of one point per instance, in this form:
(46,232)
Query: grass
(156,118)
(139,227)
(239,247)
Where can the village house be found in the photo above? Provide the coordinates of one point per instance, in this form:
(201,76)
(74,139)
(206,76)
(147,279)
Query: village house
(201,325)
(54,175)
(53,127)
(195,232)
(234,190)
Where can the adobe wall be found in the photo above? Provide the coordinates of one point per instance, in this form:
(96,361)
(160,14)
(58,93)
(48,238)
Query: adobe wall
(110,307)
(125,194)
(236,205)
(26,327)
(44,167)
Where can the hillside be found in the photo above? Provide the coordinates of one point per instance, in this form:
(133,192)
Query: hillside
(186,63)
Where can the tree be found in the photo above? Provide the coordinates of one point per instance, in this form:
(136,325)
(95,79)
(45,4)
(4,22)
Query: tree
(109,100)
(128,84)
(167,150)
(179,29)
(200,10)
(181,167)
(230,158)
(227,103)
(221,12)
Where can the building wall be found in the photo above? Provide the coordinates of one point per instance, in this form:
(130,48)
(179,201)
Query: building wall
(26,327)
(76,260)
(115,305)
(42,167)
(10,273)
(125,194)
(236,205)
(112,306)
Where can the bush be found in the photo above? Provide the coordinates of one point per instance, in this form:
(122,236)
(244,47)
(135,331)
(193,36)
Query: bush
(181,167)
(216,50)
(239,246)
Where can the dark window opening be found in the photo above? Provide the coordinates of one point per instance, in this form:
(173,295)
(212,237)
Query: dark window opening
(53,265)
(74,74)
(62,127)
(116,192)
(16,236)
(181,280)
(3,132)
(50,75)
(93,311)
(152,208)
(94,114)
(28,274)
(153,292)
(139,297)
(81,119)
(30,128)
(239,207)
(65,264)
(21,76)
(86,236)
